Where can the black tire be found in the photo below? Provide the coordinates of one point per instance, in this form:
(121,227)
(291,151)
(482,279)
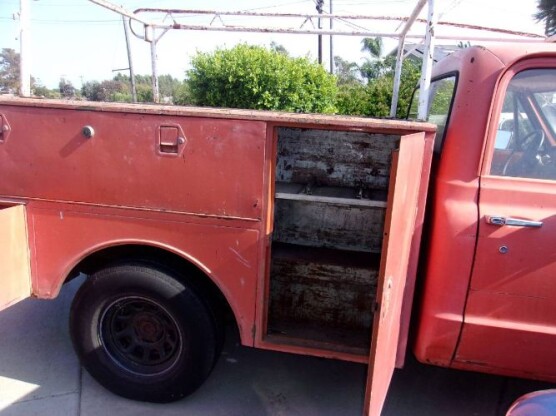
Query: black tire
(143,334)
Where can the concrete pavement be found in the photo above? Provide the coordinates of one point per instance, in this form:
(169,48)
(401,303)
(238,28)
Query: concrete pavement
(40,375)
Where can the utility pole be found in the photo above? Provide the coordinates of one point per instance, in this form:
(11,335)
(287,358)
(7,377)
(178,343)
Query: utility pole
(320,3)
(150,36)
(24,57)
(130,62)
(331,41)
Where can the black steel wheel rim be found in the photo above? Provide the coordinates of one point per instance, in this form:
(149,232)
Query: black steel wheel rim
(140,336)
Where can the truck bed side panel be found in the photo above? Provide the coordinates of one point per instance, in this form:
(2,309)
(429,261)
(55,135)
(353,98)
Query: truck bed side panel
(131,162)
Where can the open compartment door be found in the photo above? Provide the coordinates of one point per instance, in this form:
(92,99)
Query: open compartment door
(15,268)
(403,205)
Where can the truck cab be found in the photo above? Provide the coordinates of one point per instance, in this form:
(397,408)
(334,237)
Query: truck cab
(488,298)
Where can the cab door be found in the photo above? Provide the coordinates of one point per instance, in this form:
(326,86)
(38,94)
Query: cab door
(15,271)
(510,315)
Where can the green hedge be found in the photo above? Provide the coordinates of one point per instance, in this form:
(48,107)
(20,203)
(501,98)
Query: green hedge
(253,77)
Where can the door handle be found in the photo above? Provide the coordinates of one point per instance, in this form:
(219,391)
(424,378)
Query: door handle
(500,221)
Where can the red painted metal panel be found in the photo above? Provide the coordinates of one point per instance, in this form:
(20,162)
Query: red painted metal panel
(512,295)
(512,298)
(219,171)
(15,271)
(409,292)
(64,234)
(403,208)
(210,203)
(453,211)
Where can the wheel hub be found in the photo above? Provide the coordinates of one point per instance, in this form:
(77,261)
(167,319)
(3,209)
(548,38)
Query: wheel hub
(148,328)
(140,335)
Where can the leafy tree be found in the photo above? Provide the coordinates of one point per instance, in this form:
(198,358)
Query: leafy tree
(254,77)
(182,95)
(142,79)
(167,86)
(547,13)
(66,88)
(39,90)
(108,90)
(411,72)
(377,68)
(379,73)
(346,72)
(122,77)
(353,99)
(374,99)
(278,48)
(144,93)
(89,90)
(379,92)
(380,89)
(9,70)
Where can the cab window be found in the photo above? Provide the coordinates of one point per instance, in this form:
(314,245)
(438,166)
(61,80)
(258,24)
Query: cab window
(524,144)
(442,93)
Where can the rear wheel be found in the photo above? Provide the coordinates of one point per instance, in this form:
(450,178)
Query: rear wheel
(143,334)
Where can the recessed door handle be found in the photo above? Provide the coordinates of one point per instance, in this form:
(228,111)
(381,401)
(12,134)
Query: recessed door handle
(500,221)
(170,140)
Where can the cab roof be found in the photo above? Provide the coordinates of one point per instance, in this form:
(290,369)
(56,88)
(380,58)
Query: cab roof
(497,56)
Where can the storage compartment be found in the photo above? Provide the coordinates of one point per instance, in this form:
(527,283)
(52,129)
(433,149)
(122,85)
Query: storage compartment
(329,210)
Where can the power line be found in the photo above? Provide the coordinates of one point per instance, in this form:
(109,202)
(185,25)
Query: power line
(367,3)
(374,2)
(73,21)
(56,21)
(278,5)
(48,4)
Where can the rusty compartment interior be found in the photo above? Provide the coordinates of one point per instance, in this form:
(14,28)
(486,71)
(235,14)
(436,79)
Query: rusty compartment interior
(330,201)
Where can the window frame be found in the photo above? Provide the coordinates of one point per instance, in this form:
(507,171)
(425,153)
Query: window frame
(496,111)
(437,148)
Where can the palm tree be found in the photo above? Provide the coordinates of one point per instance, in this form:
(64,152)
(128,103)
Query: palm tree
(547,12)
(374,67)
(373,46)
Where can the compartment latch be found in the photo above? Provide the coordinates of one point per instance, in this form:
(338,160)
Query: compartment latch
(170,140)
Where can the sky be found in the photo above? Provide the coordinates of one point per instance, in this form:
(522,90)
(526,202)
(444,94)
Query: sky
(81,41)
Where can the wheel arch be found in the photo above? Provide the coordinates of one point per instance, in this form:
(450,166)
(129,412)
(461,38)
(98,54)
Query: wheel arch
(186,268)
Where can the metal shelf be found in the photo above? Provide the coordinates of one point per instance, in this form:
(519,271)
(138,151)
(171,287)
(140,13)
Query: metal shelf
(329,195)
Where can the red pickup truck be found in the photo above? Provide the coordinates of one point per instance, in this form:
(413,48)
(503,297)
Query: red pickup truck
(305,231)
